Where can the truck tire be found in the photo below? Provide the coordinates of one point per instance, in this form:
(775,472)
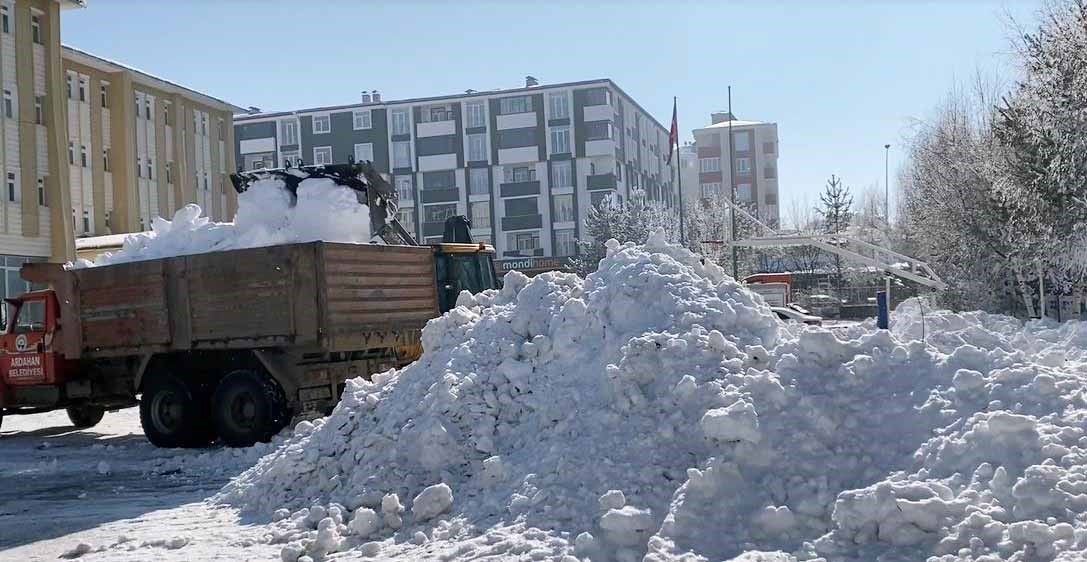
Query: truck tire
(84,416)
(248,407)
(173,413)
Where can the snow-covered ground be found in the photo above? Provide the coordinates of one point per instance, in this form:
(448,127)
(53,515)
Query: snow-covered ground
(654,411)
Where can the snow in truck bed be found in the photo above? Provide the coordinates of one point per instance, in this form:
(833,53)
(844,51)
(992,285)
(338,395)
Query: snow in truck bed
(324,211)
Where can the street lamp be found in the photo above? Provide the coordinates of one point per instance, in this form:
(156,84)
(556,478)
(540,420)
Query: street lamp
(886,184)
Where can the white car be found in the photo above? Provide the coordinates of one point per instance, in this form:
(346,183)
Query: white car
(793,313)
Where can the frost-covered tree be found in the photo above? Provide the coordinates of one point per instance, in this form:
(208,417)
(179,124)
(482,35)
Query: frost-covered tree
(631,221)
(835,211)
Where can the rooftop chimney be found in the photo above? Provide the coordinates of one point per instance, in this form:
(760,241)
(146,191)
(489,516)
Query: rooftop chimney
(469,91)
(252,110)
(365,96)
(720,117)
(375,96)
(531,81)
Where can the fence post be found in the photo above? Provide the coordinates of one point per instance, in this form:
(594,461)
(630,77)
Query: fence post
(883,319)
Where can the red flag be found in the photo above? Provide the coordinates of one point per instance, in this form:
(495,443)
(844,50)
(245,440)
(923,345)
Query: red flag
(673,135)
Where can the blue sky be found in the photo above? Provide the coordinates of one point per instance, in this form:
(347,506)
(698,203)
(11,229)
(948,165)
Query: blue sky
(841,78)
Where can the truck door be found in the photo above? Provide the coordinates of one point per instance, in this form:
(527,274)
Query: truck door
(24,345)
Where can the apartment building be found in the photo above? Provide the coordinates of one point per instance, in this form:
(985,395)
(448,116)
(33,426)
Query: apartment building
(754,147)
(33,224)
(139,146)
(524,164)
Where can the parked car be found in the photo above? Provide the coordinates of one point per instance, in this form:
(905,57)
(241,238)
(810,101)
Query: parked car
(793,313)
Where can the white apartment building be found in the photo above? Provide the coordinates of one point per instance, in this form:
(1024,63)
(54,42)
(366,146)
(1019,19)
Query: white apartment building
(754,171)
(525,164)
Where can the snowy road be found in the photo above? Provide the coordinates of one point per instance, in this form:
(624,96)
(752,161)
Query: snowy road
(108,488)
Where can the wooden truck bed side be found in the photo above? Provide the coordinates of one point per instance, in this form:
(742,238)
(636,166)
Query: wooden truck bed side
(375,296)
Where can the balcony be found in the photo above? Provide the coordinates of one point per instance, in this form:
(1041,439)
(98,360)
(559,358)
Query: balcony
(519,188)
(538,252)
(601,181)
(598,112)
(522,222)
(516,121)
(443,195)
(436,128)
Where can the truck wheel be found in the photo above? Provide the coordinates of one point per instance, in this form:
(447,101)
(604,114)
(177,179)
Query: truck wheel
(173,413)
(248,407)
(85,415)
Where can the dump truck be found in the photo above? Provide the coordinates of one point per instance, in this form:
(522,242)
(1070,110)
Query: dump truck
(229,345)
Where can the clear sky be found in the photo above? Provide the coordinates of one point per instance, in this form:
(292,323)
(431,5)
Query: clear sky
(841,78)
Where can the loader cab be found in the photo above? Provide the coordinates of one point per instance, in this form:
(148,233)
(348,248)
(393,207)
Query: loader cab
(462,267)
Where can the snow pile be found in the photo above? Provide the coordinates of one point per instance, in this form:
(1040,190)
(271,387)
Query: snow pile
(265,217)
(658,410)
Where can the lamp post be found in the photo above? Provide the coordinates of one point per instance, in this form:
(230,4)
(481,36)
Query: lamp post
(886,184)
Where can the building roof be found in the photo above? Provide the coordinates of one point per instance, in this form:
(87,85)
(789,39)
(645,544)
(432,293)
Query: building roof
(735,123)
(107,65)
(241,118)
(65,4)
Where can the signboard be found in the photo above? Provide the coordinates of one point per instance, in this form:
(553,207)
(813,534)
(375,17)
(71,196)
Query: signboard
(532,266)
(775,294)
(25,366)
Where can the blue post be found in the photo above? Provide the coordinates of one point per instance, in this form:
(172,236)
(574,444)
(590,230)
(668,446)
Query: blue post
(883,315)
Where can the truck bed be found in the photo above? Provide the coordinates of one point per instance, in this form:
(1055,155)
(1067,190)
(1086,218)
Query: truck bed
(324,295)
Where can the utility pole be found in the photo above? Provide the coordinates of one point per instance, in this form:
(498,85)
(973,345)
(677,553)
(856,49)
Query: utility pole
(732,189)
(679,175)
(887,185)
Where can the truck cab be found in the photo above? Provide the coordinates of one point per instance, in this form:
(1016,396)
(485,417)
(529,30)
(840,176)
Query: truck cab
(34,377)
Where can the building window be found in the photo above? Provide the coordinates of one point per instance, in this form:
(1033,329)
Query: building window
(103,91)
(564,208)
(438,213)
(5,19)
(433,113)
(83,156)
(404,189)
(86,221)
(565,244)
(743,166)
(770,199)
(105,159)
(523,241)
(560,141)
(519,104)
(768,147)
(205,181)
(475,114)
(147,109)
(361,119)
(709,164)
(71,153)
(407,219)
(519,173)
(480,214)
(597,130)
(478,181)
(596,96)
(203,123)
(39,115)
(477,147)
(36,29)
(289,132)
(82,89)
(169,172)
(400,123)
(440,180)
(9,105)
(743,141)
(322,155)
(402,154)
(560,105)
(41,192)
(743,192)
(11,186)
(321,124)
(151,166)
(562,174)
(364,152)
(711,190)
(770,173)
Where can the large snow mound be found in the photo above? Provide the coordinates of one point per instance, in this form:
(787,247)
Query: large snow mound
(323,211)
(657,410)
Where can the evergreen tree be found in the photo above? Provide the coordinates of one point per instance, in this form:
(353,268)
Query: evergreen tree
(836,214)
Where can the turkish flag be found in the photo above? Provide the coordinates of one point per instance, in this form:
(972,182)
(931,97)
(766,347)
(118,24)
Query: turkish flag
(673,135)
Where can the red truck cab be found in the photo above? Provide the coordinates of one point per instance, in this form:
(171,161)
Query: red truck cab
(34,377)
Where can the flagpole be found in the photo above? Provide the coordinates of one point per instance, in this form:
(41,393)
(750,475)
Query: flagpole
(679,177)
